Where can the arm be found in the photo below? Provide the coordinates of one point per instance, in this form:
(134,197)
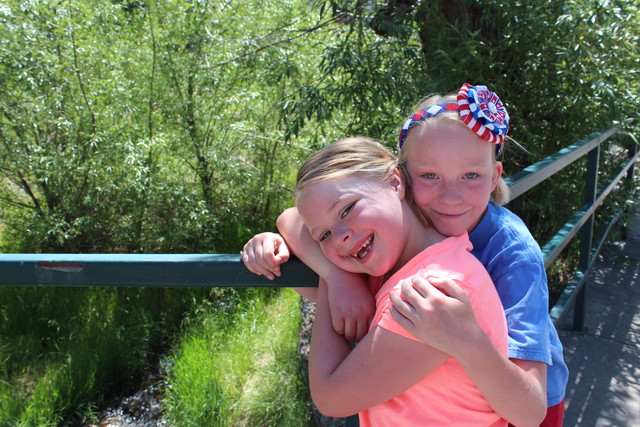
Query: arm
(351,303)
(382,365)
(444,319)
(264,253)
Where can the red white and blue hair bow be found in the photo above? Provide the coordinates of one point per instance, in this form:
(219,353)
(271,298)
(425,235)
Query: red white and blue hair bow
(479,108)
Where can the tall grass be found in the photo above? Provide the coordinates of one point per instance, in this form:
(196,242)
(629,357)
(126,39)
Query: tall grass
(63,351)
(240,368)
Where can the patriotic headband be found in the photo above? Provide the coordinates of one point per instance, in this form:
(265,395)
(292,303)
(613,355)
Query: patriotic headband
(480,109)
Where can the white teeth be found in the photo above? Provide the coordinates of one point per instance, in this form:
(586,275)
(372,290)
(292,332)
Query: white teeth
(364,250)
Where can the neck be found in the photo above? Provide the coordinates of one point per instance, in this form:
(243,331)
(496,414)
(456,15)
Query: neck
(417,237)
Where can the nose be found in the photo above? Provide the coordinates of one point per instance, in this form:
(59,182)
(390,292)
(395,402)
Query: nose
(450,193)
(342,235)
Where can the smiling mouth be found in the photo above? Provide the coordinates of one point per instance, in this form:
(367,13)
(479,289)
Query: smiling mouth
(448,215)
(364,250)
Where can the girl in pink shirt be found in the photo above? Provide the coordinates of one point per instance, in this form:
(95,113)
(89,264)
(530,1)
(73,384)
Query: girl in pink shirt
(352,200)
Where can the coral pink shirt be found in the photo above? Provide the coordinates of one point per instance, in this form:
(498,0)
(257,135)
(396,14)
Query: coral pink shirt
(447,396)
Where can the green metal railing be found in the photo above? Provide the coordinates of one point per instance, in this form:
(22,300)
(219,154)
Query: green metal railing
(582,220)
(227,270)
(162,270)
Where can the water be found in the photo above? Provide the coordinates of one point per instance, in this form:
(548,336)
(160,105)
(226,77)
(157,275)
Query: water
(142,409)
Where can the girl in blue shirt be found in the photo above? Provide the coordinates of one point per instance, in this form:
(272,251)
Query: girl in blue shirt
(459,196)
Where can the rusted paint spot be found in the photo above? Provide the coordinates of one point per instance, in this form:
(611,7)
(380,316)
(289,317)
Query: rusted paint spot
(65,267)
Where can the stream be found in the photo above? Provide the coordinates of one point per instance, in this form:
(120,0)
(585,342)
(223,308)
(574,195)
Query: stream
(142,409)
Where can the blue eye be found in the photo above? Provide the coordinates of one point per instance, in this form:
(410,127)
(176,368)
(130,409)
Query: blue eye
(471,175)
(430,176)
(325,236)
(347,210)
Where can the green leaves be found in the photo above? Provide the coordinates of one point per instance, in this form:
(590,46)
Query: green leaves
(130,126)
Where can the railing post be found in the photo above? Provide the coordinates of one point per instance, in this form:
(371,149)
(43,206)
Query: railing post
(633,150)
(591,187)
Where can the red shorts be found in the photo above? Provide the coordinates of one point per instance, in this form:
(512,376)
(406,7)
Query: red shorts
(555,416)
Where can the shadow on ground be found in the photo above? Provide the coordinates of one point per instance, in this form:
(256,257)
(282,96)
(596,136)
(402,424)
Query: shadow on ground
(604,358)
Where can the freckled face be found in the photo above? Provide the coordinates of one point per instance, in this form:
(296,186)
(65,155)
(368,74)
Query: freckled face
(357,222)
(453,172)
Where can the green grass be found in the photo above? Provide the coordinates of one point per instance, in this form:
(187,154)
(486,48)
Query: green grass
(241,368)
(63,351)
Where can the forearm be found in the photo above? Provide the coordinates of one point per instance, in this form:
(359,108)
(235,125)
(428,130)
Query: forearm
(518,394)
(309,293)
(328,351)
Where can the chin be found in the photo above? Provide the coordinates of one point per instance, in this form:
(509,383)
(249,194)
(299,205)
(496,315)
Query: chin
(451,231)
(349,266)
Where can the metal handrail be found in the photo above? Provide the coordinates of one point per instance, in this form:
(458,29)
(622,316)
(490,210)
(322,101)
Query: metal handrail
(583,218)
(148,270)
(527,178)
(214,270)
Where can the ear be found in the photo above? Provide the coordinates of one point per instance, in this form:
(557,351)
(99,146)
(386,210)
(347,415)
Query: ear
(396,182)
(497,173)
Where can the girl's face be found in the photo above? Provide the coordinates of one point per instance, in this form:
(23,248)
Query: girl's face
(453,172)
(357,221)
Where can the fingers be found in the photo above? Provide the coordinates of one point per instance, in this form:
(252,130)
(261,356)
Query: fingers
(282,253)
(350,329)
(447,286)
(421,294)
(257,263)
(353,330)
(416,289)
(431,287)
(339,325)
(401,305)
(401,319)
(264,253)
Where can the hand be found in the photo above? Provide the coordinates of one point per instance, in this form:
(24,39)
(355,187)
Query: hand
(351,304)
(264,253)
(437,311)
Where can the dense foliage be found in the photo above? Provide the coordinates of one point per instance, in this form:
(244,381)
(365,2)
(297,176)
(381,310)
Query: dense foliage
(142,127)
(177,126)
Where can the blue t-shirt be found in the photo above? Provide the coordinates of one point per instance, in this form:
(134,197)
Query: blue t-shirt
(504,245)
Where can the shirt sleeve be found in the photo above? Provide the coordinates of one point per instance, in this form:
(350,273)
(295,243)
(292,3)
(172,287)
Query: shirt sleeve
(387,321)
(525,298)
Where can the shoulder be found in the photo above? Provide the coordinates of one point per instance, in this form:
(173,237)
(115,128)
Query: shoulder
(511,254)
(509,231)
(454,260)
(506,221)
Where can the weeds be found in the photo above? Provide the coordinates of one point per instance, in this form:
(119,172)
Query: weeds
(241,369)
(65,350)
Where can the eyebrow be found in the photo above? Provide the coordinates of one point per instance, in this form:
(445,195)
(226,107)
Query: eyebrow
(429,165)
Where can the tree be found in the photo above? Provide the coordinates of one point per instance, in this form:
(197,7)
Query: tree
(131,126)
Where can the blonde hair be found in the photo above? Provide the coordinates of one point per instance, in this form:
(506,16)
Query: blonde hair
(346,157)
(500,195)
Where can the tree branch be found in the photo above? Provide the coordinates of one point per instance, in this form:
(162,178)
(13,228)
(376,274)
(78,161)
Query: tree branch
(335,18)
(84,93)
